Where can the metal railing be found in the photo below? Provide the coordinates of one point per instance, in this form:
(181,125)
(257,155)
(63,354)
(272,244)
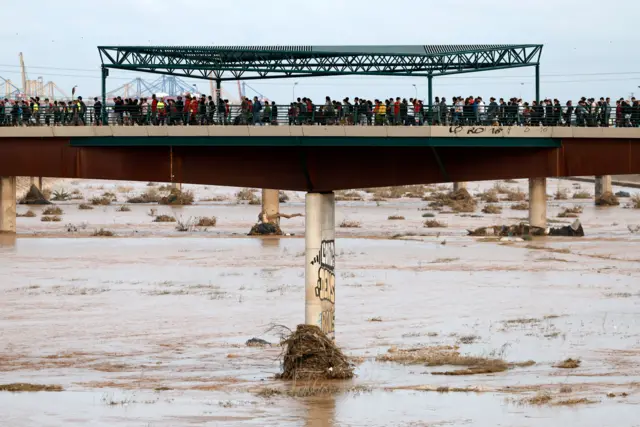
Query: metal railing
(348,115)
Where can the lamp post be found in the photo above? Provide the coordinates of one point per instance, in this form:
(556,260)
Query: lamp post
(293,95)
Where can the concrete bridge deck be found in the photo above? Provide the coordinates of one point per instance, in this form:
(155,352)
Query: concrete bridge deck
(460,132)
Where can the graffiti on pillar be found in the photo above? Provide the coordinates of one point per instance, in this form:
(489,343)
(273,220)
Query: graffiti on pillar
(326,285)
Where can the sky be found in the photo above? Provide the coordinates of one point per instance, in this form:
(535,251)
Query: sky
(589,45)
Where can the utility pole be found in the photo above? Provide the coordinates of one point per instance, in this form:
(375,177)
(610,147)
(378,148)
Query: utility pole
(23,72)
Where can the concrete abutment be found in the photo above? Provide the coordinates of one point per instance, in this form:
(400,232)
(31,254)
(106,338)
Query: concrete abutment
(320,279)
(271,206)
(8,204)
(603,185)
(459,186)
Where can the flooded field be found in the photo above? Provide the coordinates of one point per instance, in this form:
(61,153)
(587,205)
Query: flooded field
(148,328)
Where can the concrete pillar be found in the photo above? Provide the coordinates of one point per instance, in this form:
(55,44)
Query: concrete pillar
(270,206)
(7,204)
(538,202)
(603,185)
(37,181)
(320,256)
(459,186)
(177,185)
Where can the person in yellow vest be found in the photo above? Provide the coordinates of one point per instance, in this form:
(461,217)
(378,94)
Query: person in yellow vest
(36,110)
(162,111)
(381,113)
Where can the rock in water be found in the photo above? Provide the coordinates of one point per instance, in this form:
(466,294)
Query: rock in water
(573,230)
(34,197)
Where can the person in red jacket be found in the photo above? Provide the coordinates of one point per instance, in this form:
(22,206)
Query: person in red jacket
(154,109)
(193,110)
(396,112)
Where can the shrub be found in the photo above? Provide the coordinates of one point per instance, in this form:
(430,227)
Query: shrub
(84,206)
(164,218)
(349,224)
(182,225)
(152,195)
(283,197)
(177,197)
(561,195)
(520,206)
(581,195)
(395,217)
(123,208)
(348,196)
(103,233)
(245,194)
(255,201)
(27,214)
(50,219)
(492,209)
(570,212)
(515,196)
(207,222)
(100,201)
(635,201)
(490,196)
(432,223)
(53,210)
(60,196)
(428,215)
(110,195)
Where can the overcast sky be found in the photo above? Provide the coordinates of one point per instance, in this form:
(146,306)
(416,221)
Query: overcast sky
(590,45)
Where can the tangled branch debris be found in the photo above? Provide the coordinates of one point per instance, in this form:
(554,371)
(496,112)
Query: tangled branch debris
(309,354)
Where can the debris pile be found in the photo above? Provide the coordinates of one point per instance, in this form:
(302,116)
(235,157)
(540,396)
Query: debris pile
(34,197)
(524,229)
(607,199)
(310,355)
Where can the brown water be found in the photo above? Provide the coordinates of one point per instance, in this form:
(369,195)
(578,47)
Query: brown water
(151,331)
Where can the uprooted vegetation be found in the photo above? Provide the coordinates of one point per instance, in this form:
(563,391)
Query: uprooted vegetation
(489,196)
(444,355)
(607,199)
(569,364)
(123,208)
(635,201)
(571,212)
(308,354)
(561,194)
(415,191)
(26,387)
(177,197)
(346,223)
(84,207)
(515,196)
(283,197)
(54,218)
(546,398)
(312,390)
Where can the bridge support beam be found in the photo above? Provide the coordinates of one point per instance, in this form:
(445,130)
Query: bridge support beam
(7,204)
(459,186)
(603,185)
(271,206)
(320,258)
(538,202)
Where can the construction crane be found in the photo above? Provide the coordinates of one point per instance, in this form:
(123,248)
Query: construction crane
(33,88)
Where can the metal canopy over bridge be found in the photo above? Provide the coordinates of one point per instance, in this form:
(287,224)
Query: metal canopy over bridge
(221,63)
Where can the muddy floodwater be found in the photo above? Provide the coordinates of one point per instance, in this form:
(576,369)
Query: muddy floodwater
(148,328)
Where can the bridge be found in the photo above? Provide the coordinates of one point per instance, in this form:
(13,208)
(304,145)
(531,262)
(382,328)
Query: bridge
(317,159)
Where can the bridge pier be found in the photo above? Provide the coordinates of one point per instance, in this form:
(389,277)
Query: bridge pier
(538,202)
(603,185)
(271,206)
(320,258)
(7,204)
(459,186)
(37,181)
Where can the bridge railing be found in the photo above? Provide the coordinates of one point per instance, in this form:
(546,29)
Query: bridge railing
(276,115)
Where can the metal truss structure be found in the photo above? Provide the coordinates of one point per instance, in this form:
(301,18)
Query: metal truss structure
(221,63)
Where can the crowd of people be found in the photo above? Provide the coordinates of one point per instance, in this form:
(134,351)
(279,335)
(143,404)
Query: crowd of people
(204,110)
